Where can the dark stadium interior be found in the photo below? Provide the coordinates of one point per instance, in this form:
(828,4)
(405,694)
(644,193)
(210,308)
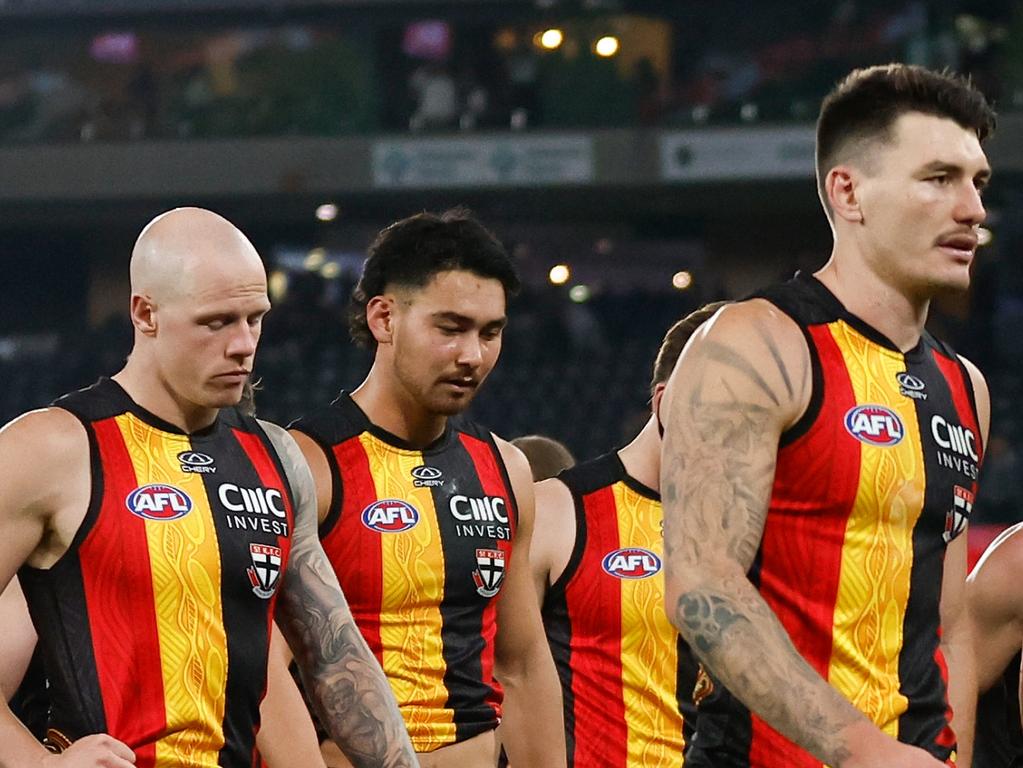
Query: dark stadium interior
(269,111)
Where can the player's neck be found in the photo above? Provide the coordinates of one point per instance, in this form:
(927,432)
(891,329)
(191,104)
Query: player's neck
(642,457)
(394,411)
(150,394)
(880,304)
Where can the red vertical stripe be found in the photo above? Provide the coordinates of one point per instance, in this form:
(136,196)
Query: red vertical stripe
(955,375)
(493,484)
(801,549)
(354,550)
(595,600)
(118,581)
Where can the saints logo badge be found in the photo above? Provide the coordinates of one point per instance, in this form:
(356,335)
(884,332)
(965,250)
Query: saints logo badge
(265,569)
(489,571)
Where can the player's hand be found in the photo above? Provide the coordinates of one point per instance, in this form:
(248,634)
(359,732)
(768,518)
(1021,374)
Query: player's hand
(96,751)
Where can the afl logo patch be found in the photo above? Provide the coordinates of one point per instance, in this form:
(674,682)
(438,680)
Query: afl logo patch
(159,502)
(631,563)
(874,425)
(390,516)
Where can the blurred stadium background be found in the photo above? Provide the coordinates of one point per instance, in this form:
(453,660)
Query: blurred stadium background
(638,158)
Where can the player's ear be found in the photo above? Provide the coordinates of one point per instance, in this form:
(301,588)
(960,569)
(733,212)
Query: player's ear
(380,318)
(143,314)
(840,188)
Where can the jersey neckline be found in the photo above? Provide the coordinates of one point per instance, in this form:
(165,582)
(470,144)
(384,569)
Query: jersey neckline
(151,419)
(345,402)
(823,294)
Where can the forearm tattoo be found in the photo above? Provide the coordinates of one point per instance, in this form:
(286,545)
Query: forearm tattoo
(717,470)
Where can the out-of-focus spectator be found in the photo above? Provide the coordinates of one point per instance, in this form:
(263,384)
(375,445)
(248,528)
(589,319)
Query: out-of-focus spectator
(436,97)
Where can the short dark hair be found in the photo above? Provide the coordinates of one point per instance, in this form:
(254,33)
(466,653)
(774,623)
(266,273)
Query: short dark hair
(547,457)
(675,339)
(867,102)
(411,251)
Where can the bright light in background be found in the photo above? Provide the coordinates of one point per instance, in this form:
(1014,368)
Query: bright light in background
(579,293)
(551,38)
(326,212)
(606,46)
(984,235)
(559,274)
(315,259)
(682,280)
(330,270)
(277,285)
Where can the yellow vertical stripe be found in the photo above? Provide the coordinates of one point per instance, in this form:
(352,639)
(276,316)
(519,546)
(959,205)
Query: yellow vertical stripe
(649,643)
(185,560)
(413,588)
(877,557)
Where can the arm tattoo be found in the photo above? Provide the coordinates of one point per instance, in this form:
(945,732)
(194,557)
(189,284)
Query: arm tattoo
(718,468)
(346,684)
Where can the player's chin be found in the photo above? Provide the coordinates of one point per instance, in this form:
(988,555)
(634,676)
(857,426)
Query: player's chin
(453,404)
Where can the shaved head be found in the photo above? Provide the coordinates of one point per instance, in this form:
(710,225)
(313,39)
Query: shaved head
(182,249)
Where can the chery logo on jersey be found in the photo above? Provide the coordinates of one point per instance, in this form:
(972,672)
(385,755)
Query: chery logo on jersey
(193,461)
(159,502)
(427,477)
(390,516)
(631,563)
(911,386)
(874,425)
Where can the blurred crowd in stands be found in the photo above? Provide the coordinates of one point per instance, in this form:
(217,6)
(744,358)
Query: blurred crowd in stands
(668,64)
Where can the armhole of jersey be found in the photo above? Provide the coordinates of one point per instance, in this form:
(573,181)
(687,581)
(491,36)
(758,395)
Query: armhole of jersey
(337,495)
(813,408)
(972,395)
(252,425)
(95,498)
(506,478)
(578,546)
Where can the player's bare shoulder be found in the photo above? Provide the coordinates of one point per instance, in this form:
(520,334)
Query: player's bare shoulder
(45,455)
(753,345)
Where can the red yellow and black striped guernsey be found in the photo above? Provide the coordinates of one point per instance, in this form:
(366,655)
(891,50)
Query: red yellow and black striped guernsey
(420,540)
(870,487)
(155,623)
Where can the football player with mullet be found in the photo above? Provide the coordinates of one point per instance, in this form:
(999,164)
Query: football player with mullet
(625,677)
(157,531)
(427,518)
(821,455)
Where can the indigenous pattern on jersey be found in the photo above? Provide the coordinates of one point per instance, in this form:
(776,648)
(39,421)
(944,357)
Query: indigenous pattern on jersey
(999,739)
(616,652)
(870,487)
(155,624)
(420,540)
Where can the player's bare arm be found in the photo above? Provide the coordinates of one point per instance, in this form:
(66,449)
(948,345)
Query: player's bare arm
(555,516)
(343,679)
(996,606)
(744,378)
(532,731)
(18,640)
(320,469)
(38,519)
(287,736)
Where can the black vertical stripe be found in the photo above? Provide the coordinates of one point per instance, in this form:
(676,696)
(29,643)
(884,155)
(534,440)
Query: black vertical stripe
(919,673)
(244,612)
(558,625)
(462,607)
(57,605)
